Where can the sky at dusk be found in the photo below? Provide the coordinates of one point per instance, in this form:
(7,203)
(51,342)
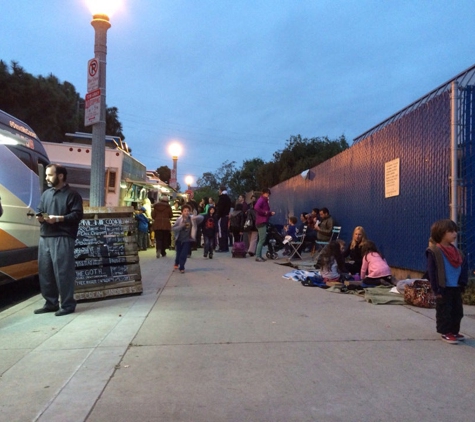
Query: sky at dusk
(233,80)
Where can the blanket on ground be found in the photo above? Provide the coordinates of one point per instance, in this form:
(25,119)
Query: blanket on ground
(381,295)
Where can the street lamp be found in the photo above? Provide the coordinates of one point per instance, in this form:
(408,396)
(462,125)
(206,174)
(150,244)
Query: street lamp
(189,181)
(174,150)
(101,10)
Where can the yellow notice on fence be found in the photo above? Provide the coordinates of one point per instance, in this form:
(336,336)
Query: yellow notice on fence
(391,178)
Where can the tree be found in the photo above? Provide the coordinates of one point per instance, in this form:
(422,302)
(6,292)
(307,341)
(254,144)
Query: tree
(208,180)
(245,179)
(52,108)
(165,173)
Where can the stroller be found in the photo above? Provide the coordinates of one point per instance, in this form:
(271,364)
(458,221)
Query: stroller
(274,241)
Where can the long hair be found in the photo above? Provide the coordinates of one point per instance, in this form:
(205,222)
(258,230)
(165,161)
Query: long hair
(368,247)
(331,253)
(353,243)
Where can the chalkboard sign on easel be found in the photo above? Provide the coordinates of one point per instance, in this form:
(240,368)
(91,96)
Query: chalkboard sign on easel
(106,253)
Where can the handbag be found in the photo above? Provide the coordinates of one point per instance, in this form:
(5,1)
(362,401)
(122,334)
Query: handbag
(419,294)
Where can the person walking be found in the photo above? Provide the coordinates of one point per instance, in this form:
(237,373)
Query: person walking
(209,228)
(185,229)
(162,214)
(250,229)
(59,212)
(223,207)
(176,210)
(448,276)
(263,214)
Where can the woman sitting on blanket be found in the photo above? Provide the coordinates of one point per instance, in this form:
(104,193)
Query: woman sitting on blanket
(331,262)
(353,251)
(374,270)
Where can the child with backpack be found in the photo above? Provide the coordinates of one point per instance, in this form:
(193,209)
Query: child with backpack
(209,230)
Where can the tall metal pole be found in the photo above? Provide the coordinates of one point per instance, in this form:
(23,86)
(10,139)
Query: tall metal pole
(174,176)
(101,24)
(453,152)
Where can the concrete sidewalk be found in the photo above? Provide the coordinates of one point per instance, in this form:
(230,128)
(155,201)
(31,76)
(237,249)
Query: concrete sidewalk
(231,340)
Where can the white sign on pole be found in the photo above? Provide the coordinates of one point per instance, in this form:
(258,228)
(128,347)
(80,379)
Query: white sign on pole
(92,113)
(92,75)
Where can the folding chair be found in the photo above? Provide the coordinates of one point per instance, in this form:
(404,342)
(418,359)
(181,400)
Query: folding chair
(334,236)
(296,244)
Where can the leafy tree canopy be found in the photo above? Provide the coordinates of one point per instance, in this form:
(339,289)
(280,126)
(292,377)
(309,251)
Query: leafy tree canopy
(52,108)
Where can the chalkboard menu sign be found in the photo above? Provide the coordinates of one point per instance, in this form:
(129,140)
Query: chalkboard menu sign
(106,253)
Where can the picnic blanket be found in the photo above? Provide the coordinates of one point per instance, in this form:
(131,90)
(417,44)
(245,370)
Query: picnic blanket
(381,295)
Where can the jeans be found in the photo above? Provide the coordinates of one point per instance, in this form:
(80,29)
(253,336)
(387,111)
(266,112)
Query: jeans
(182,251)
(449,311)
(262,238)
(209,245)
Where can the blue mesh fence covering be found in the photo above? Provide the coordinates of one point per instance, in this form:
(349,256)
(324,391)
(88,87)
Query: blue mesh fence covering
(352,184)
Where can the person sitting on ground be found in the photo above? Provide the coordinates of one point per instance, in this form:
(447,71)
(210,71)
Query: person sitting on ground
(353,251)
(324,229)
(331,262)
(374,269)
(290,233)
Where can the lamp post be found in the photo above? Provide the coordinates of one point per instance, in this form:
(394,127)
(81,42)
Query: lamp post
(189,192)
(174,150)
(100,23)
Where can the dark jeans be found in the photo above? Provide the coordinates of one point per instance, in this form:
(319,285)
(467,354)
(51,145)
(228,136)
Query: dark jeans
(223,234)
(182,252)
(449,311)
(162,241)
(209,245)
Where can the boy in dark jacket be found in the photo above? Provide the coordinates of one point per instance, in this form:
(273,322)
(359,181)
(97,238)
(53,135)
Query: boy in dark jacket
(209,229)
(448,276)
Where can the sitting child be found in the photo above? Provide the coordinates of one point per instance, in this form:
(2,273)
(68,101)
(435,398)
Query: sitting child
(331,262)
(290,233)
(374,270)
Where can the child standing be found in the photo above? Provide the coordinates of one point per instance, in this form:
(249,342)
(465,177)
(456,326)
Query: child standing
(210,228)
(374,268)
(183,240)
(448,276)
(142,234)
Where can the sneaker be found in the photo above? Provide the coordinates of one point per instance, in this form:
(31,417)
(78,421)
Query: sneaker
(460,337)
(449,338)
(175,267)
(259,259)
(205,255)
(182,271)
(157,254)
(210,256)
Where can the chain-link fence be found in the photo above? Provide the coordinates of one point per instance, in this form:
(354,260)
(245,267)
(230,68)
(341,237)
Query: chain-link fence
(352,184)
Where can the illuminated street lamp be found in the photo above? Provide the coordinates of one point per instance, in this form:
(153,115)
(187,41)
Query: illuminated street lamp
(189,191)
(174,150)
(101,10)
(189,181)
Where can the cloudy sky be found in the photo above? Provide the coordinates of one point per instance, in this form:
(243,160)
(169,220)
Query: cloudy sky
(233,80)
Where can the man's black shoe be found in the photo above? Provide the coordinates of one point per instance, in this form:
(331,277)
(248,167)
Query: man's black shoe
(62,312)
(45,310)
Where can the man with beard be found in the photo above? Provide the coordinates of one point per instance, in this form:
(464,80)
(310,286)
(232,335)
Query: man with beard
(59,212)
(223,207)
